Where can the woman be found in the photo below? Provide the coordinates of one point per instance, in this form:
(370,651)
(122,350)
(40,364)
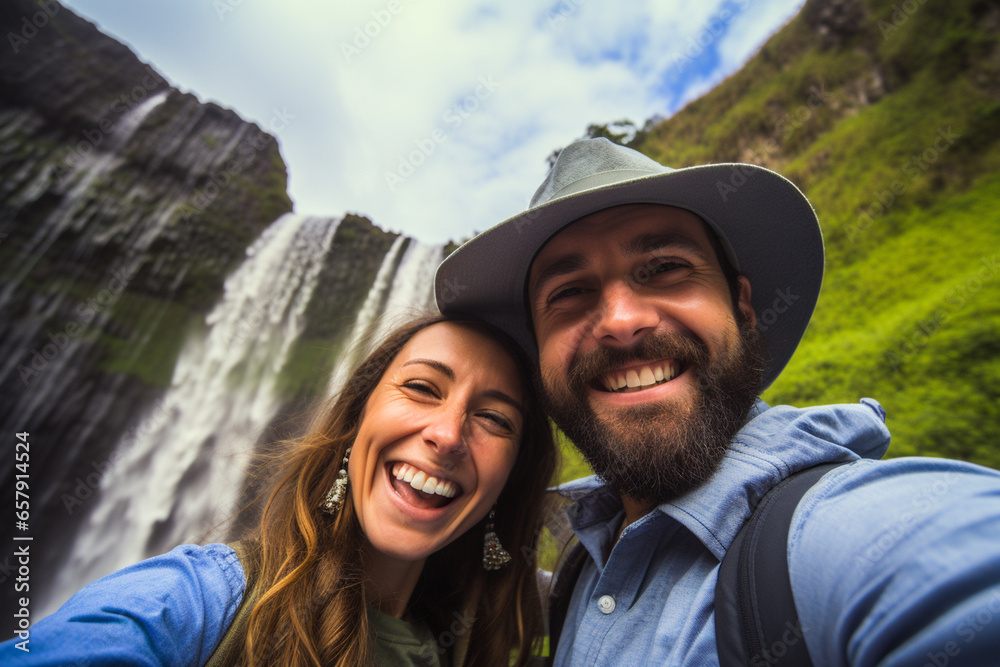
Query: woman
(361,566)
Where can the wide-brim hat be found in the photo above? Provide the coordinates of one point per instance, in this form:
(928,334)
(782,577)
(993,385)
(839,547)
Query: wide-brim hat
(766,225)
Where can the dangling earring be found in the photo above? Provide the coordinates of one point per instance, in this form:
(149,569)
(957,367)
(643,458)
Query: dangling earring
(338,492)
(494,555)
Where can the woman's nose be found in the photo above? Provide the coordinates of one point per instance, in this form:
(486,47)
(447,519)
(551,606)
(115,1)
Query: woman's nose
(445,431)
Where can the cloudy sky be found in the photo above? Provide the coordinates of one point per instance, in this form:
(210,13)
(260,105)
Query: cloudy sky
(435,118)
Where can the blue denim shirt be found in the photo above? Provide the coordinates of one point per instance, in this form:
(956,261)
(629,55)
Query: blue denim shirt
(892,562)
(168,610)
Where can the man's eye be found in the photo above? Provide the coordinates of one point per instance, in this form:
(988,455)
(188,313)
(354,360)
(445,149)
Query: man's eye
(666,266)
(565,293)
(656,267)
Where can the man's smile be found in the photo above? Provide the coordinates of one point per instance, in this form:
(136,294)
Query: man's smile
(639,377)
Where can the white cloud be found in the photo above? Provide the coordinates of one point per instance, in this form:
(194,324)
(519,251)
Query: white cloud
(752,27)
(369,86)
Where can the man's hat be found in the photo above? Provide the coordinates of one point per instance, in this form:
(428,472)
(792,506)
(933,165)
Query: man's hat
(766,225)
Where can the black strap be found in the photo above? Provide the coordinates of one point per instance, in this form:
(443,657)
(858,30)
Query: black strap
(563,583)
(230,648)
(756,622)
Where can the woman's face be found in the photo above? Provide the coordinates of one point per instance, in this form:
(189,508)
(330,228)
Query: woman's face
(446,417)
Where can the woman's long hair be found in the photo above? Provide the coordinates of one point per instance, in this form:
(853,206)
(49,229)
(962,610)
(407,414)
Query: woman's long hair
(310,580)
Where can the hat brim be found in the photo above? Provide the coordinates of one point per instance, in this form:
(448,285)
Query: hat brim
(765,223)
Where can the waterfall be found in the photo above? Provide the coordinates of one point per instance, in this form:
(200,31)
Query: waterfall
(412,287)
(181,471)
(402,287)
(370,309)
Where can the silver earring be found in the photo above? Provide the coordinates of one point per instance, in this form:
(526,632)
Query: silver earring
(338,492)
(495,556)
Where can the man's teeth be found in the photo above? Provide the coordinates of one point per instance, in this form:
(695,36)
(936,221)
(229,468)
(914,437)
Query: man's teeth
(646,376)
(421,481)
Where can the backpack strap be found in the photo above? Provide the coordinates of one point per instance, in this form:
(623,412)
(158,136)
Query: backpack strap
(563,583)
(755,617)
(230,648)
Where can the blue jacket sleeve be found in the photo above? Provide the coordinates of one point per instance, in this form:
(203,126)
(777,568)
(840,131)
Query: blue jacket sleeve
(897,563)
(169,610)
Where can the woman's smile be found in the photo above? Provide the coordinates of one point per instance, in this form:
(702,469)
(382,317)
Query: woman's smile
(425,483)
(428,489)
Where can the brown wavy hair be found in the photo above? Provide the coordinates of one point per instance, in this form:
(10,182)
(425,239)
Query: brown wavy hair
(308,567)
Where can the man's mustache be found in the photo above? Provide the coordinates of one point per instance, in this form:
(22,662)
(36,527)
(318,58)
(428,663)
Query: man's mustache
(586,368)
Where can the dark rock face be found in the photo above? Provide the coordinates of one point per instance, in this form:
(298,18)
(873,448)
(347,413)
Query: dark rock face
(124,206)
(835,20)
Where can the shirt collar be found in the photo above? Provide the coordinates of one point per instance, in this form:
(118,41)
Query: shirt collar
(773,444)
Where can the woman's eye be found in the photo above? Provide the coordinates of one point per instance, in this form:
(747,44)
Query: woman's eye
(421,387)
(498,420)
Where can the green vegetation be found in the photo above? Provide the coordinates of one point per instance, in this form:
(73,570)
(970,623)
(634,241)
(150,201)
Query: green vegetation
(308,369)
(142,337)
(273,197)
(894,135)
(161,327)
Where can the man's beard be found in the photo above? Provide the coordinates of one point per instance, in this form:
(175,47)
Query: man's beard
(660,451)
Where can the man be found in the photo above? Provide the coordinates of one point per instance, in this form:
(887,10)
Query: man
(661,303)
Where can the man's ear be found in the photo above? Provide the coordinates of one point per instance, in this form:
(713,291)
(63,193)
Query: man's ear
(745,305)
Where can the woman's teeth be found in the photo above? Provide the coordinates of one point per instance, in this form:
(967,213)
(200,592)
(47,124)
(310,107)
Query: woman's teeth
(646,376)
(421,481)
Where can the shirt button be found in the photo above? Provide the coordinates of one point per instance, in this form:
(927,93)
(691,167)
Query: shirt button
(606,604)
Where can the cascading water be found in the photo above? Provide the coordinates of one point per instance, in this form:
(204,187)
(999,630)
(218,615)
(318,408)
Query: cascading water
(412,286)
(370,309)
(183,471)
(396,292)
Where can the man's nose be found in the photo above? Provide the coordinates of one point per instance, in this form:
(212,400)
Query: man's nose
(623,317)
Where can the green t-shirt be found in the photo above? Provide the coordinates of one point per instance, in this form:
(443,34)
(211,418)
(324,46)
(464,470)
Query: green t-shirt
(399,642)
